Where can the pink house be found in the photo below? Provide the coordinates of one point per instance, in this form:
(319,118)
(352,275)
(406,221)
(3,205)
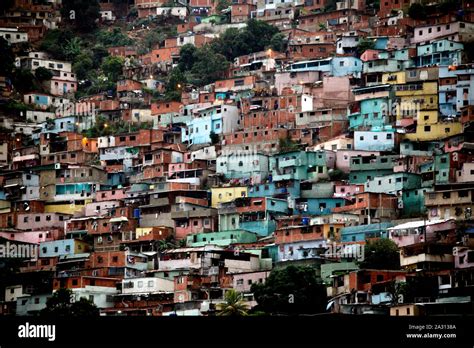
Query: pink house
(369,55)
(110,195)
(37,221)
(34,237)
(100,208)
(343,158)
(414,232)
(347,190)
(463,257)
(193,218)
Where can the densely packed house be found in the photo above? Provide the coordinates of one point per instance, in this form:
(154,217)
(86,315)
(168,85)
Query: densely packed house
(360,128)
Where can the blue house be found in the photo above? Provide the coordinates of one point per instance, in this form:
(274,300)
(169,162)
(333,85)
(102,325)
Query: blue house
(218,119)
(375,140)
(335,66)
(363,232)
(441,52)
(318,206)
(275,189)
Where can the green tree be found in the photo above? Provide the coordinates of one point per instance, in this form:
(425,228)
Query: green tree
(468,52)
(337,175)
(43,74)
(63,304)
(8,59)
(24,81)
(291,290)
(382,253)
(153,38)
(187,57)
(364,45)
(222,5)
(233,306)
(278,42)
(82,14)
(330,5)
(54,42)
(166,244)
(209,66)
(287,144)
(214,137)
(99,52)
(395,289)
(112,67)
(83,65)
(255,37)
(417,11)
(175,84)
(73,48)
(113,37)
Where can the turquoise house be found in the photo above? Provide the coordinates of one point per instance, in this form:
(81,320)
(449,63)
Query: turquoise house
(363,232)
(222,238)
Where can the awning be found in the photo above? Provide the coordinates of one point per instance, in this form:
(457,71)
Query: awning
(119,219)
(11,185)
(330,304)
(25,158)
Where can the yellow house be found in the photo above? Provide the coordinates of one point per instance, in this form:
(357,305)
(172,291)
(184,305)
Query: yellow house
(5,207)
(227,194)
(332,231)
(80,247)
(430,132)
(65,208)
(412,98)
(394,78)
(409,309)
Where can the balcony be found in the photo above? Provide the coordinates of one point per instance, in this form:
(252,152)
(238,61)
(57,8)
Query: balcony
(160,202)
(167,265)
(413,260)
(281,177)
(193,214)
(293,162)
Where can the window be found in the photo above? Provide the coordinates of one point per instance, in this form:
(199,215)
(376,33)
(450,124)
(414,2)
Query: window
(67,248)
(427,128)
(140,284)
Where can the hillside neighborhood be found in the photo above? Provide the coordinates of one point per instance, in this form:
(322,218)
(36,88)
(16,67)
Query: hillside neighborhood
(236,157)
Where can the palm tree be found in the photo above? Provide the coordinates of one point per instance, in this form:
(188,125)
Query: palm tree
(73,48)
(233,305)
